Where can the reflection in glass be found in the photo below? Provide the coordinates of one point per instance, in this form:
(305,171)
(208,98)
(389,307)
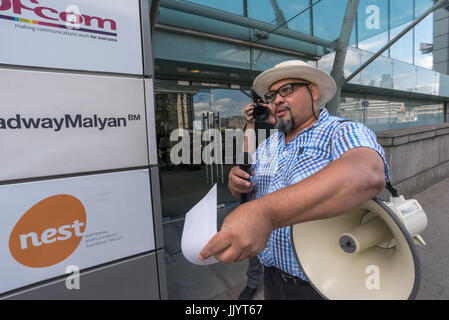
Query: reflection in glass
(171,46)
(377,114)
(401,12)
(378,73)
(328,17)
(277,12)
(423,45)
(195,109)
(422,6)
(404,76)
(403,49)
(232,6)
(263,60)
(374,44)
(351,109)
(326,62)
(380,114)
(427,81)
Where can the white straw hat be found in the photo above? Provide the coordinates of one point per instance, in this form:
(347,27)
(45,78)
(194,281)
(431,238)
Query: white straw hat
(297,69)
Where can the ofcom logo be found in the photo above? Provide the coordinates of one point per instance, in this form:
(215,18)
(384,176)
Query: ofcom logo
(52,17)
(49,232)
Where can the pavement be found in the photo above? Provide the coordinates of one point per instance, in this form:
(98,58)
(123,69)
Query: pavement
(225,281)
(434,255)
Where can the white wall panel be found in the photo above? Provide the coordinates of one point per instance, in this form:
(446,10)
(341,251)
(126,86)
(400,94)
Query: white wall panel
(57,123)
(105,35)
(118,223)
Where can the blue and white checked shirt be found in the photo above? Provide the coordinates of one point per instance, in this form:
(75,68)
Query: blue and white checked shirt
(278,165)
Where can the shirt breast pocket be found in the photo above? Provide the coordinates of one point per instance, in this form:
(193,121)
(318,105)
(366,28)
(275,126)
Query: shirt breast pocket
(264,178)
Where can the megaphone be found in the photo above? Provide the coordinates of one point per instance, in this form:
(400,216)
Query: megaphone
(368,253)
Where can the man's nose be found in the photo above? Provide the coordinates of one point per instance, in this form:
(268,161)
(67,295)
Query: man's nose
(278,100)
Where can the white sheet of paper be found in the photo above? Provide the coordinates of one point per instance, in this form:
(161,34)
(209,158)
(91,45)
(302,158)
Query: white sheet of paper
(199,227)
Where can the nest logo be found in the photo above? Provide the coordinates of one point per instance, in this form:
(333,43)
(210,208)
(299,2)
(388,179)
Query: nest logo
(49,232)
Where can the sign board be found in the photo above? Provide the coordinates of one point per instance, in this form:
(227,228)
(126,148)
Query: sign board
(100,35)
(56,123)
(83,221)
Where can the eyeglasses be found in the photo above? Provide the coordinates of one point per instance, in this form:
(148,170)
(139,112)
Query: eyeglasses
(285,90)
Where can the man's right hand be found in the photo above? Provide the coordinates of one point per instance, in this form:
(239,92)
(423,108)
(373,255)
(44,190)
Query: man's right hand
(248,111)
(238,182)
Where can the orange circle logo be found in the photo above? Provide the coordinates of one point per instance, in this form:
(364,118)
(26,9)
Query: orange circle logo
(49,232)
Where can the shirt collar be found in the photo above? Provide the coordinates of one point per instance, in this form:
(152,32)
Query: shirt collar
(323,117)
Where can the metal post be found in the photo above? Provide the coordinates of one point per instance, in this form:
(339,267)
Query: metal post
(342,44)
(280,19)
(153,14)
(446,112)
(438,5)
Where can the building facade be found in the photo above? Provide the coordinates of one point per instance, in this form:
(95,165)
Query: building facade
(94,115)
(208,52)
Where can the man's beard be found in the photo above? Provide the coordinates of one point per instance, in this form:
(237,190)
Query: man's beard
(285,125)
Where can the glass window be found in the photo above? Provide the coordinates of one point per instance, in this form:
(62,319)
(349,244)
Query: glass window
(328,17)
(427,81)
(403,115)
(195,109)
(278,12)
(403,49)
(422,6)
(377,114)
(401,12)
(378,73)
(431,113)
(375,43)
(232,6)
(380,114)
(351,109)
(195,22)
(424,43)
(263,60)
(326,62)
(404,76)
(170,46)
(416,113)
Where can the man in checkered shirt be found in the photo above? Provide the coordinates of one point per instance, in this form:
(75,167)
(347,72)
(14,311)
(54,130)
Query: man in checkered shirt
(315,167)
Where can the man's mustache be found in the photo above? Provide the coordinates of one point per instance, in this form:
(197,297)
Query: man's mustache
(283,107)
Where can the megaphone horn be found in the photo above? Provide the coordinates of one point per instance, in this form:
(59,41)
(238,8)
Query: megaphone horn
(376,237)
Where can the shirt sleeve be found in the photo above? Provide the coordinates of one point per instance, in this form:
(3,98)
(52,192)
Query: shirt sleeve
(350,135)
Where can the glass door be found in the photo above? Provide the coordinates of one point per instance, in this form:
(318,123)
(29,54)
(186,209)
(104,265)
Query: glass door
(227,105)
(197,116)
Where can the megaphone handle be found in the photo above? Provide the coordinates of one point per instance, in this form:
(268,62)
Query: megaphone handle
(392,190)
(245,197)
